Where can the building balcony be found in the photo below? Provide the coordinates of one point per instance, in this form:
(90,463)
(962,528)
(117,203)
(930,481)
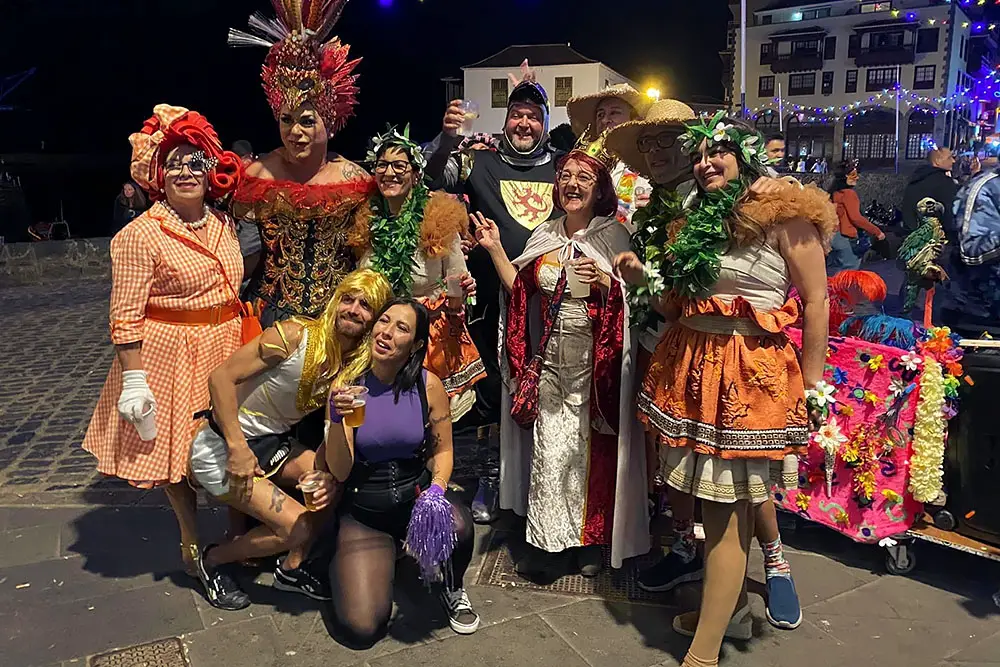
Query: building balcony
(885,55)
(797,61)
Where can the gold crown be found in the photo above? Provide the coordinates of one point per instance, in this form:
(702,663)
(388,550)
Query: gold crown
(595,148)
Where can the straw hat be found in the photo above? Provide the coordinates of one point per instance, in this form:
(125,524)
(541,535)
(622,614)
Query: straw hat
(582,109)
(622,139)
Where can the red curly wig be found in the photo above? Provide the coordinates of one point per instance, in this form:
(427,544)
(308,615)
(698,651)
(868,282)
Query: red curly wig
(192,129)
(605,197)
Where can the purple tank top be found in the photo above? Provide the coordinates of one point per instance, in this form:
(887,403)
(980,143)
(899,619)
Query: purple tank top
(392,431)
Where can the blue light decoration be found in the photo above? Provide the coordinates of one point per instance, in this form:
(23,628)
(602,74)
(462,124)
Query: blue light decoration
(978,27)
(911,16)
(385,3)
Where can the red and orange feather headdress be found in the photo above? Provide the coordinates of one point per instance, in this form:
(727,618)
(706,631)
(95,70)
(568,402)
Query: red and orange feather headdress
(300,66)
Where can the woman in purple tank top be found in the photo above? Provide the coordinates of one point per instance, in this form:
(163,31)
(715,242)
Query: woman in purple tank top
(395,468)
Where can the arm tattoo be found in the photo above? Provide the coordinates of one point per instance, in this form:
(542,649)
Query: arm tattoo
(277,498)
(435,442)
(437,420)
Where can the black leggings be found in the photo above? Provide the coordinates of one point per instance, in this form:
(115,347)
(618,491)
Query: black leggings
(363,568)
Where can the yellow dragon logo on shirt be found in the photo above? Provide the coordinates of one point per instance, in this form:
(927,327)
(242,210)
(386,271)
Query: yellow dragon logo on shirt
(528,202)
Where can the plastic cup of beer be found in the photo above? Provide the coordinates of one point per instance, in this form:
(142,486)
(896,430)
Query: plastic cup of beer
(470,111)
(357,416)
(308,488)
(577,288)
(146,426)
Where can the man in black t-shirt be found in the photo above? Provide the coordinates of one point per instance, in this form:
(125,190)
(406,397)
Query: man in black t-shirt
(513,187)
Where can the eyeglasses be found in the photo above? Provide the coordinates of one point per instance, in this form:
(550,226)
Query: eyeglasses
(583,179)
(399,167)
(662,140)
(197,164)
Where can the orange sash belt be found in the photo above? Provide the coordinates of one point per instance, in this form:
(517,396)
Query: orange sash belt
(208,317)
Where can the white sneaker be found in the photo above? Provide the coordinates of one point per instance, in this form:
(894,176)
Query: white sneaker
(740,625)
(462,618)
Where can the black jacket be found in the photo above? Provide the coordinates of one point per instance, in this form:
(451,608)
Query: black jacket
(928,181)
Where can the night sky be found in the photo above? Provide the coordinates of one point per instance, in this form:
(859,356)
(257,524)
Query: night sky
(102,65)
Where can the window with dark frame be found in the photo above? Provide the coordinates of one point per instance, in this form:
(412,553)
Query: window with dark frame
(851,82)
(766,52)
(881,78)
(924,77)
(927,40)
(564,90)
(765,20)
(499,93)
(853,46)
(830,48)
(765,86)
(802,84)
(827,88)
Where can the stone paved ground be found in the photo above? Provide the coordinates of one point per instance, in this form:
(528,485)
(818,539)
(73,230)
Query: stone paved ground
(87,565)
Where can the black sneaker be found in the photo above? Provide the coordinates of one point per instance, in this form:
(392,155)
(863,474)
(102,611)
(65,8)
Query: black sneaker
(301,580)
(671,572)
(462,618)
(221,590)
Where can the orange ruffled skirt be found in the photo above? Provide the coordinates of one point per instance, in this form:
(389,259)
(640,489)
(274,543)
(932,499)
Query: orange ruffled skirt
(724,393)
(453,357)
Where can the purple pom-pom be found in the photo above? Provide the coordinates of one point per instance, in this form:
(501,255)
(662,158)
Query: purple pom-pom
(430,537)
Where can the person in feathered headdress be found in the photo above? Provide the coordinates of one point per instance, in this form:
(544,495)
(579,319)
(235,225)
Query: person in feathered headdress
(175,313)
(512,186)
(302,197)
(414,238)
(573,455)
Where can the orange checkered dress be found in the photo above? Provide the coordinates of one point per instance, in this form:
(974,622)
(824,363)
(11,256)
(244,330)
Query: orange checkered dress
(156,261)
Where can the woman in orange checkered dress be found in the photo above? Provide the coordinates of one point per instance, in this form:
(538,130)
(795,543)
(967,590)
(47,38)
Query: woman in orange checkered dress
(174,310)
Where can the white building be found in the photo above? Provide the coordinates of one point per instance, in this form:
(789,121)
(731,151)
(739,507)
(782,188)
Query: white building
(562,71)
(826,65)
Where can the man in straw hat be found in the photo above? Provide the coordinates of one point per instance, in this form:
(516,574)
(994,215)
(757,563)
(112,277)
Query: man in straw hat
(651,147)
(601,112)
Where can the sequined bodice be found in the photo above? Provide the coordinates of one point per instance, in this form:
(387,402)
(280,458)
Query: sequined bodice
(304,233)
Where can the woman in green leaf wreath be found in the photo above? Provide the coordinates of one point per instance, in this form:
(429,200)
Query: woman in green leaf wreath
(413,237)
(725,391)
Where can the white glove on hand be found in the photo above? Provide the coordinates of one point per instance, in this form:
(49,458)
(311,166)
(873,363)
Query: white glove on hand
(136,397)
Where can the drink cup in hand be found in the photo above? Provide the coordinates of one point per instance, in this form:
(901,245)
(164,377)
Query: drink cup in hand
(577,288)
(146,426)
(357,416)
(308,488)
(470,112)
(453,284)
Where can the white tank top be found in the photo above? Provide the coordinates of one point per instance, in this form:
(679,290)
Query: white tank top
(269,402)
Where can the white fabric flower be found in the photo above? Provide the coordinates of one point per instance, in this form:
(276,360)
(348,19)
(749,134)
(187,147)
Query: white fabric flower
(822,394)
(897,387)
(720,131)
(829,436)
(887,542)
(910,361)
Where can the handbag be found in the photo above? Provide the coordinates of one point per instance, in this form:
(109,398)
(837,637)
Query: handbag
(524,402)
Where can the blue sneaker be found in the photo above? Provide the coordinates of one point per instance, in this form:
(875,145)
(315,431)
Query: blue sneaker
(783,610)
(670,573)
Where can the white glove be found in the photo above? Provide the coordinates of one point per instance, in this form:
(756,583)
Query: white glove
(136,397)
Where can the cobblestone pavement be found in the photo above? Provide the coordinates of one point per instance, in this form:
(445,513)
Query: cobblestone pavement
(54,356)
